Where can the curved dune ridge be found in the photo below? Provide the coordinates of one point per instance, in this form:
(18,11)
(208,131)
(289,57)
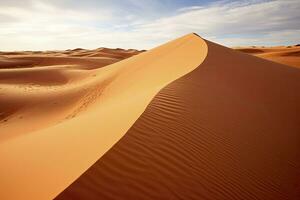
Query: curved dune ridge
(55,128)
(227,130)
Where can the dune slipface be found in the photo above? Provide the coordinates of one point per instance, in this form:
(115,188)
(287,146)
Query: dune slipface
(81,115)
(227,130)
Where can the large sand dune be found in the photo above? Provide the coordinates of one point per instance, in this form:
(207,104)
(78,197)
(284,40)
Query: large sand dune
(53,132)
(187,120)
(228,130)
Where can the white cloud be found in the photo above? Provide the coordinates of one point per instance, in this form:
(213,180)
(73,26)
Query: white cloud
(230,22)
(41,25)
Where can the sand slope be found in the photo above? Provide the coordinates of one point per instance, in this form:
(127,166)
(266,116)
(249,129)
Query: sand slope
(52,144)
(227,130)
(56,83)
(288,55)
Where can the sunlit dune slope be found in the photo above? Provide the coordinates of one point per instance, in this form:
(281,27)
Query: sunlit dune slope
(54,82)
(288,55)
(230,129)
(40,164)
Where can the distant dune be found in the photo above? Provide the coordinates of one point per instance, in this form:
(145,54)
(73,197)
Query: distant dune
(288,55)
(56,83)
(187,120)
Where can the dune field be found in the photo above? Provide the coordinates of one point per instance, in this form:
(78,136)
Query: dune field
(288,55)
(57,83)
(189,119)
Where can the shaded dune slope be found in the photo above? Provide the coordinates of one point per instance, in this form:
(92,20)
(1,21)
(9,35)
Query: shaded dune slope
(76,122)
(228,130)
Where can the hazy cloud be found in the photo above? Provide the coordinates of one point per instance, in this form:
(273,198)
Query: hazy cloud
(226,21)
(39,24)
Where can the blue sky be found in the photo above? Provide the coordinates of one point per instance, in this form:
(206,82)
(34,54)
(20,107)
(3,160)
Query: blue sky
(144,24)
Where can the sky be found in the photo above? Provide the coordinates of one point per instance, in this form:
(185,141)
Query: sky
(144,24)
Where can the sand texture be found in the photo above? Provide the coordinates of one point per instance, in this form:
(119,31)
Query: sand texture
(189,119)
(71,126)
(227,130)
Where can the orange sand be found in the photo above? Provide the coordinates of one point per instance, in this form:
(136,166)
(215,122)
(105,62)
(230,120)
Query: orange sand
(49,148)
(187,120)
(288,55)
(227,130)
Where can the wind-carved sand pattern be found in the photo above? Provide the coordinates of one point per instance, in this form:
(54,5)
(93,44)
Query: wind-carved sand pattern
(227,130)
(100,105)
(187,120)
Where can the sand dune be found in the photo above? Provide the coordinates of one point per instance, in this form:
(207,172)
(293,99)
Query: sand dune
(187,120)
(227,130)
(53,130)
(35,83)
(288,55)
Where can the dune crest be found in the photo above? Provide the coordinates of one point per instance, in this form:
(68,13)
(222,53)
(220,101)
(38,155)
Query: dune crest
(227,130)
(42,163)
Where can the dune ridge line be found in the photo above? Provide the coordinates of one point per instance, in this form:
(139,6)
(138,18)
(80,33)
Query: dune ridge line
(227,130)
(42,163)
